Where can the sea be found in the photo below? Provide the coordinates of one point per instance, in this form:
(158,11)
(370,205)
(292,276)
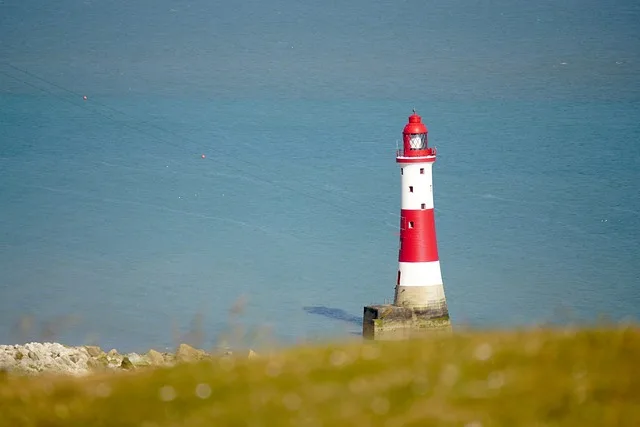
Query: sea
(223,173)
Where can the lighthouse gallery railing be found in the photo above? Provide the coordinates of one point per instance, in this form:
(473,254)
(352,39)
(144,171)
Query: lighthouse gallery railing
(429,151)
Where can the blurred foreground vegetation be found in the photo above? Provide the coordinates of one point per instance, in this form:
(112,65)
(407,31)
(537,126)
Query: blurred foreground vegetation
(542,377)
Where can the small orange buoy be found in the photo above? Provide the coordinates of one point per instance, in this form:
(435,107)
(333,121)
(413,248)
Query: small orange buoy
(84,97)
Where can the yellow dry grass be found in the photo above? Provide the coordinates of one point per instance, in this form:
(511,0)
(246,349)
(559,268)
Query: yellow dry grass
(542,377)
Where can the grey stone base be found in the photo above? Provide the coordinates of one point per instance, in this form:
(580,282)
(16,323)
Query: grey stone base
(391,322)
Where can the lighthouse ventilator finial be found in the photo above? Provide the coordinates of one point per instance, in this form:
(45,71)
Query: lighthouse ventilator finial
(419,303)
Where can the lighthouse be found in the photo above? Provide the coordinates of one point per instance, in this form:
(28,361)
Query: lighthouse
(419,301)
(419,280)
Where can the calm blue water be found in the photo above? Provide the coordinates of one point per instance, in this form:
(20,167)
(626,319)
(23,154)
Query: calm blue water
(114,229)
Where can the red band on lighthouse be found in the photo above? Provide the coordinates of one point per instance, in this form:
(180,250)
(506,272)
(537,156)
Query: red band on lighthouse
(418,236)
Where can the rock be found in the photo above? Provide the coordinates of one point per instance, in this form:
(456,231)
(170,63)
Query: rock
(97,363)
(169,358)
(93,350)
(137,359)
(33,358)
(134,358)
(41,357)
(126,363)
(155,357)
(114,359)
(186,353)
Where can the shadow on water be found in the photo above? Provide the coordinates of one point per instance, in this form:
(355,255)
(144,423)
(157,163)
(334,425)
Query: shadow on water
(334,313)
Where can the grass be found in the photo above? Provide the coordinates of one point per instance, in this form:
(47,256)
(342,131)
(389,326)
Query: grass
(543,377)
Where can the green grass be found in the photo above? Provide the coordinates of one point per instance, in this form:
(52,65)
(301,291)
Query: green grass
(584,377)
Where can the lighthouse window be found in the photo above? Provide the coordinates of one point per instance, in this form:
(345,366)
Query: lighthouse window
(401,171)
(423,206)
(418,141)
(421,171)
(411,189)
(410,224)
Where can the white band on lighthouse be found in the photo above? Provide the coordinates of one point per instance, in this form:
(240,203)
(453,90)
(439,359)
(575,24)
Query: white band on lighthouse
(420,273)
(417,186)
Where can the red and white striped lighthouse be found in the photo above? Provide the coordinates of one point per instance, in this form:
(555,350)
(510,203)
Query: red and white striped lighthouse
(419,281)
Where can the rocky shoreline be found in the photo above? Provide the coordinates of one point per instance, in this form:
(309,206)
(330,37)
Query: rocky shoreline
(36,358)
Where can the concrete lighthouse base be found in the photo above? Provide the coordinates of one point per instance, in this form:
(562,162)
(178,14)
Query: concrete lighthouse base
(418,310)
(392,322)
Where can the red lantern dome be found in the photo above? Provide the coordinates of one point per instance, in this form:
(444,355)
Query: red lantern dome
(415,141)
